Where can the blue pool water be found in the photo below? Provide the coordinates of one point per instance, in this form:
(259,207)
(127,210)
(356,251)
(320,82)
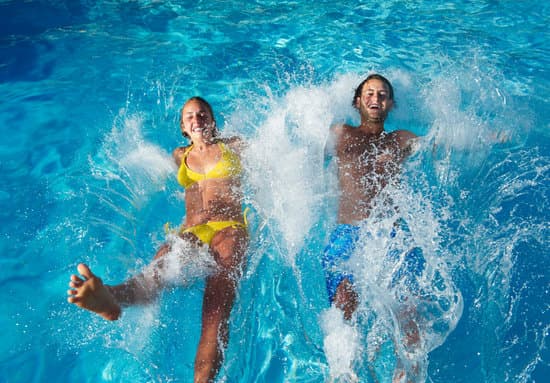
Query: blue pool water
(90,92)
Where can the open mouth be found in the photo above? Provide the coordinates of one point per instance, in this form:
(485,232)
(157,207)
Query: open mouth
(197,129)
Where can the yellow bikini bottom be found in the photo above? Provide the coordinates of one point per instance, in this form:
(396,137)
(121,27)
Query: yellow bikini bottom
(206,231)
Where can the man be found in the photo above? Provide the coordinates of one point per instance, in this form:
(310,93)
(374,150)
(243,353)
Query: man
(367,157)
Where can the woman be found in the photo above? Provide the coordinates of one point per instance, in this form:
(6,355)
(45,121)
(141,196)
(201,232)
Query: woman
(209,170)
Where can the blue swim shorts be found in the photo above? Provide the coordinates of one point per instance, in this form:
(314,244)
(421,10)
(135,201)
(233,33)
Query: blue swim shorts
(340,247)
(342,244)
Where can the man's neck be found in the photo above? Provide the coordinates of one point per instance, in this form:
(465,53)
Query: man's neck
(372,127)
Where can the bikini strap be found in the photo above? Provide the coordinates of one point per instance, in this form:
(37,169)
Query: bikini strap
(245,212)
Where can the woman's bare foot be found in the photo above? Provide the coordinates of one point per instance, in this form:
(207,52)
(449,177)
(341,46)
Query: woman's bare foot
(91,294)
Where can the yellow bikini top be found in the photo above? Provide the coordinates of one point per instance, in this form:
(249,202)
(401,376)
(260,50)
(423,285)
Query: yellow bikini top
(229,165)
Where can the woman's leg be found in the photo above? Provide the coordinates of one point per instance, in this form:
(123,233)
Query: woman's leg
(88,291)
(228,248)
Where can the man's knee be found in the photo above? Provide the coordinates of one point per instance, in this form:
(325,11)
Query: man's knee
(346,299)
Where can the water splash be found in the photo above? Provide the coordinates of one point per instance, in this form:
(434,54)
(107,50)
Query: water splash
(489,182)
(342,345)
(125,156)
(285,158)
(182,265)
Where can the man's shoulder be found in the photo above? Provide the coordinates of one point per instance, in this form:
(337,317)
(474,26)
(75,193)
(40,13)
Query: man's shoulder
(404,138)
(341,125)
(341,129)
(338,136)
(402,135)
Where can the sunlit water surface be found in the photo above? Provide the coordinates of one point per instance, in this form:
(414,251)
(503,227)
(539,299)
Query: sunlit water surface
(89,116)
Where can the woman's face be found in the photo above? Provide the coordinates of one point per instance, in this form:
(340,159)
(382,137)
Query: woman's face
(196,121)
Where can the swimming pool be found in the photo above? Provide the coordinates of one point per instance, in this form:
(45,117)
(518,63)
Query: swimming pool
(90,95)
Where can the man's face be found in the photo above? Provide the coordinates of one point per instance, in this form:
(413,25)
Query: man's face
(374,103)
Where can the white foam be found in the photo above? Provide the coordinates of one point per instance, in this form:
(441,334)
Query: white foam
(341,343)
(184,264)
(126,156)
(285,157)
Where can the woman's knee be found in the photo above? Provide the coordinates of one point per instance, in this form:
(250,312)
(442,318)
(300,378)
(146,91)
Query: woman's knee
(162,250)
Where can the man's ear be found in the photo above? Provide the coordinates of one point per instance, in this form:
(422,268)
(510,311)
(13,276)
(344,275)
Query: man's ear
(357,102)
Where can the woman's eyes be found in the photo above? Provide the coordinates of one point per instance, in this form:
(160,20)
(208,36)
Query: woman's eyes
(190,116)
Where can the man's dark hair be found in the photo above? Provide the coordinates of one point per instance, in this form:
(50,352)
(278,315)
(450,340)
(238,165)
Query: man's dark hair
(375,76)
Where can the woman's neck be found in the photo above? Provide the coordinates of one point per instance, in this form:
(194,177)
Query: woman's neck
(204,144)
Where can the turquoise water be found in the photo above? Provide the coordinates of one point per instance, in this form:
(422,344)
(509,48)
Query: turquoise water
(89,98)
